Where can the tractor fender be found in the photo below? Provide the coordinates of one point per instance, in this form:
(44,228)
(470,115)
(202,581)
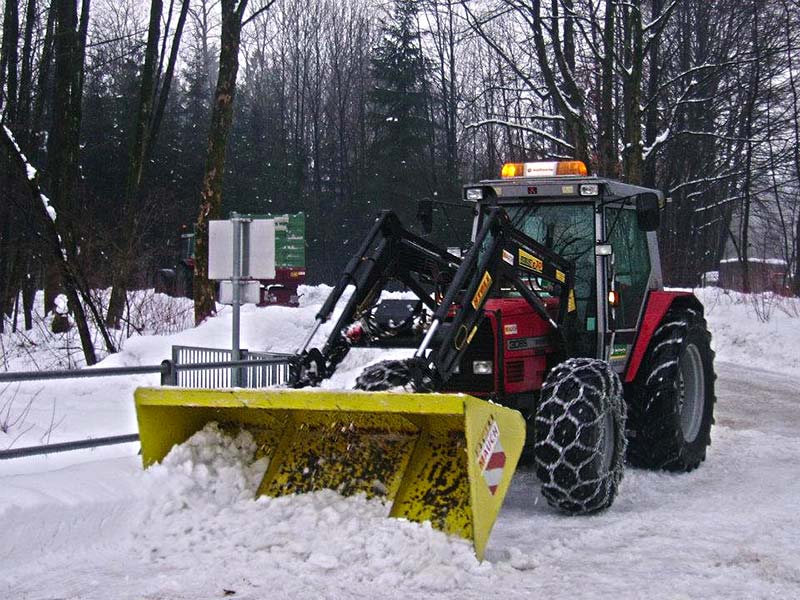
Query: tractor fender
(657,304)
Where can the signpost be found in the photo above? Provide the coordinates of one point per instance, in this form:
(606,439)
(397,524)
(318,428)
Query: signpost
(241,251)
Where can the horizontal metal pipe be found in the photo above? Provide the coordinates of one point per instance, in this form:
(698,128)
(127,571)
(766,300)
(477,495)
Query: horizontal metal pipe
(143,369)
(68,446)
(80,373)
(231,363)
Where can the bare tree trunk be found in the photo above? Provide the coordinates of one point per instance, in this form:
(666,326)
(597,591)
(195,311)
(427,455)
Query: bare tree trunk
(221,119)
(166,83)
(651,118)
(744,248)
(795,120)
(8,77)
(9,59)
(567,96)
(607,147)
(63,147)
(123,261)
(632,92)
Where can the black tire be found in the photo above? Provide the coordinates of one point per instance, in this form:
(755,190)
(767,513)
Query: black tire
(389,374)
(384,375)
(579,434)
(671,402)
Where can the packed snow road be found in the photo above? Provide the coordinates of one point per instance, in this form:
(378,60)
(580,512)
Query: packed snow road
(190,529)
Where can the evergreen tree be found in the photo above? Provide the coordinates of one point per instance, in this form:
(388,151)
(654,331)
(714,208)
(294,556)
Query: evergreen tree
(399,113)
(194,120)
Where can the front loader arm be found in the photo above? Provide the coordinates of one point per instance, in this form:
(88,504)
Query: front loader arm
(500,255)
(388,252)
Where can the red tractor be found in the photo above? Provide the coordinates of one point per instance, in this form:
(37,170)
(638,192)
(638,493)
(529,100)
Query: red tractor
(557,309)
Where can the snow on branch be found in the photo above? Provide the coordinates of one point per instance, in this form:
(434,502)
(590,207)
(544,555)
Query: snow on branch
(719,136)
(722,202)
(660,19)
(660,140)
(32,176)
(768,188)
(707,180)
(540,117)
(713,68)
(533,130)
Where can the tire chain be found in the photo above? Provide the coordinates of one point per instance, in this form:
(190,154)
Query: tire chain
(569,430)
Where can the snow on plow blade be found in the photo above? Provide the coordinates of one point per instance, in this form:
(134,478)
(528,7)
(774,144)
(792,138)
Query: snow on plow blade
(443,458)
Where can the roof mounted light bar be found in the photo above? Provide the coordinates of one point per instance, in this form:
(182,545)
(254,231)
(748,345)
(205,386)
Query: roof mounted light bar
(544,169)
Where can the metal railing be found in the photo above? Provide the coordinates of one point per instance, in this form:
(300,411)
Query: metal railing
(67,446)
(189,367)
(256,369)
(14,376)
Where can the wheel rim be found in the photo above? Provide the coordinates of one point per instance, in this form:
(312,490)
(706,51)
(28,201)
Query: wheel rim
(608,442)
(691,392)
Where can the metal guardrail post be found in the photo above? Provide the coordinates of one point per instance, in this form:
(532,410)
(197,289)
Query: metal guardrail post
(245,373)
(169,374)
(236,280)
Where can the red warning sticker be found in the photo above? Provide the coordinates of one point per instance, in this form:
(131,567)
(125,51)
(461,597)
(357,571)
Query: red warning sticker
(491,458)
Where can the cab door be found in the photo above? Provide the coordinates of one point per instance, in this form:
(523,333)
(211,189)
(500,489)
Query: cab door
(627,276)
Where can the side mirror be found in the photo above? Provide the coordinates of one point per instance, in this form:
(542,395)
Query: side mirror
(425,214)
(648,211)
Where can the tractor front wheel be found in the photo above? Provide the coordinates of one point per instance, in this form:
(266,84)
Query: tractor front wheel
(579,433)
(671,403)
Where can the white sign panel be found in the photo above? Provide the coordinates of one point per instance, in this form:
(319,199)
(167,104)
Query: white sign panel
(262,249)
(258,249)
(220,250)
(250,292)
(540,169)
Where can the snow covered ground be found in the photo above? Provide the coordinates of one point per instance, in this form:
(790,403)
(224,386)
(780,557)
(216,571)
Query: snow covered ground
(91,524)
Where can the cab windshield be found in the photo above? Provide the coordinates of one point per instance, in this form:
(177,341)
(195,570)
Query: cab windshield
(567,230)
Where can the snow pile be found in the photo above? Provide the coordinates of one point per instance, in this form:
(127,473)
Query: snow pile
(758,330)
(211,465)
(200,507)
(147,313)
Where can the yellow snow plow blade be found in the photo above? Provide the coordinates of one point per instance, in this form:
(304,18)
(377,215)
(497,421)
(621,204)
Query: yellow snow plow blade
(443,458)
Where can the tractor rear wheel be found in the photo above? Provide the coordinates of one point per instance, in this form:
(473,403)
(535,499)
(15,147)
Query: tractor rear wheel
(671,402)
(579,433)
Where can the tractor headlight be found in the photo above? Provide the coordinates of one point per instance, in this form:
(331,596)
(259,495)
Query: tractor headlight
(474,194)
(590,189)
(482,367)
(603,250)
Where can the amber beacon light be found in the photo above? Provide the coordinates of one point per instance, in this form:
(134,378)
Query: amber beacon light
(544,169)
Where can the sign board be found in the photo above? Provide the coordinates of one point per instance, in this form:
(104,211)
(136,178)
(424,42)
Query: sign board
(250,292)
(290,242)
(258,249)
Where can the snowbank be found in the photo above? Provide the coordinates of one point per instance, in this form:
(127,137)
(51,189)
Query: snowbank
(758,330)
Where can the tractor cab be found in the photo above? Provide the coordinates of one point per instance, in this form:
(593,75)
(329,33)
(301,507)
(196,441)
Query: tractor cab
(605,228)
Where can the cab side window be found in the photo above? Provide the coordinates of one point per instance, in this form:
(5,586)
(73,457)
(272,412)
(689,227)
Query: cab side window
(631,264)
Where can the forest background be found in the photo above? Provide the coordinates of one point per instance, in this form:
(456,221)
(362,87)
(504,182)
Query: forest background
(126,120)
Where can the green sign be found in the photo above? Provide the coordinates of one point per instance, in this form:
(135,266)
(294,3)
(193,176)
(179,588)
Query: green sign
(290,238)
